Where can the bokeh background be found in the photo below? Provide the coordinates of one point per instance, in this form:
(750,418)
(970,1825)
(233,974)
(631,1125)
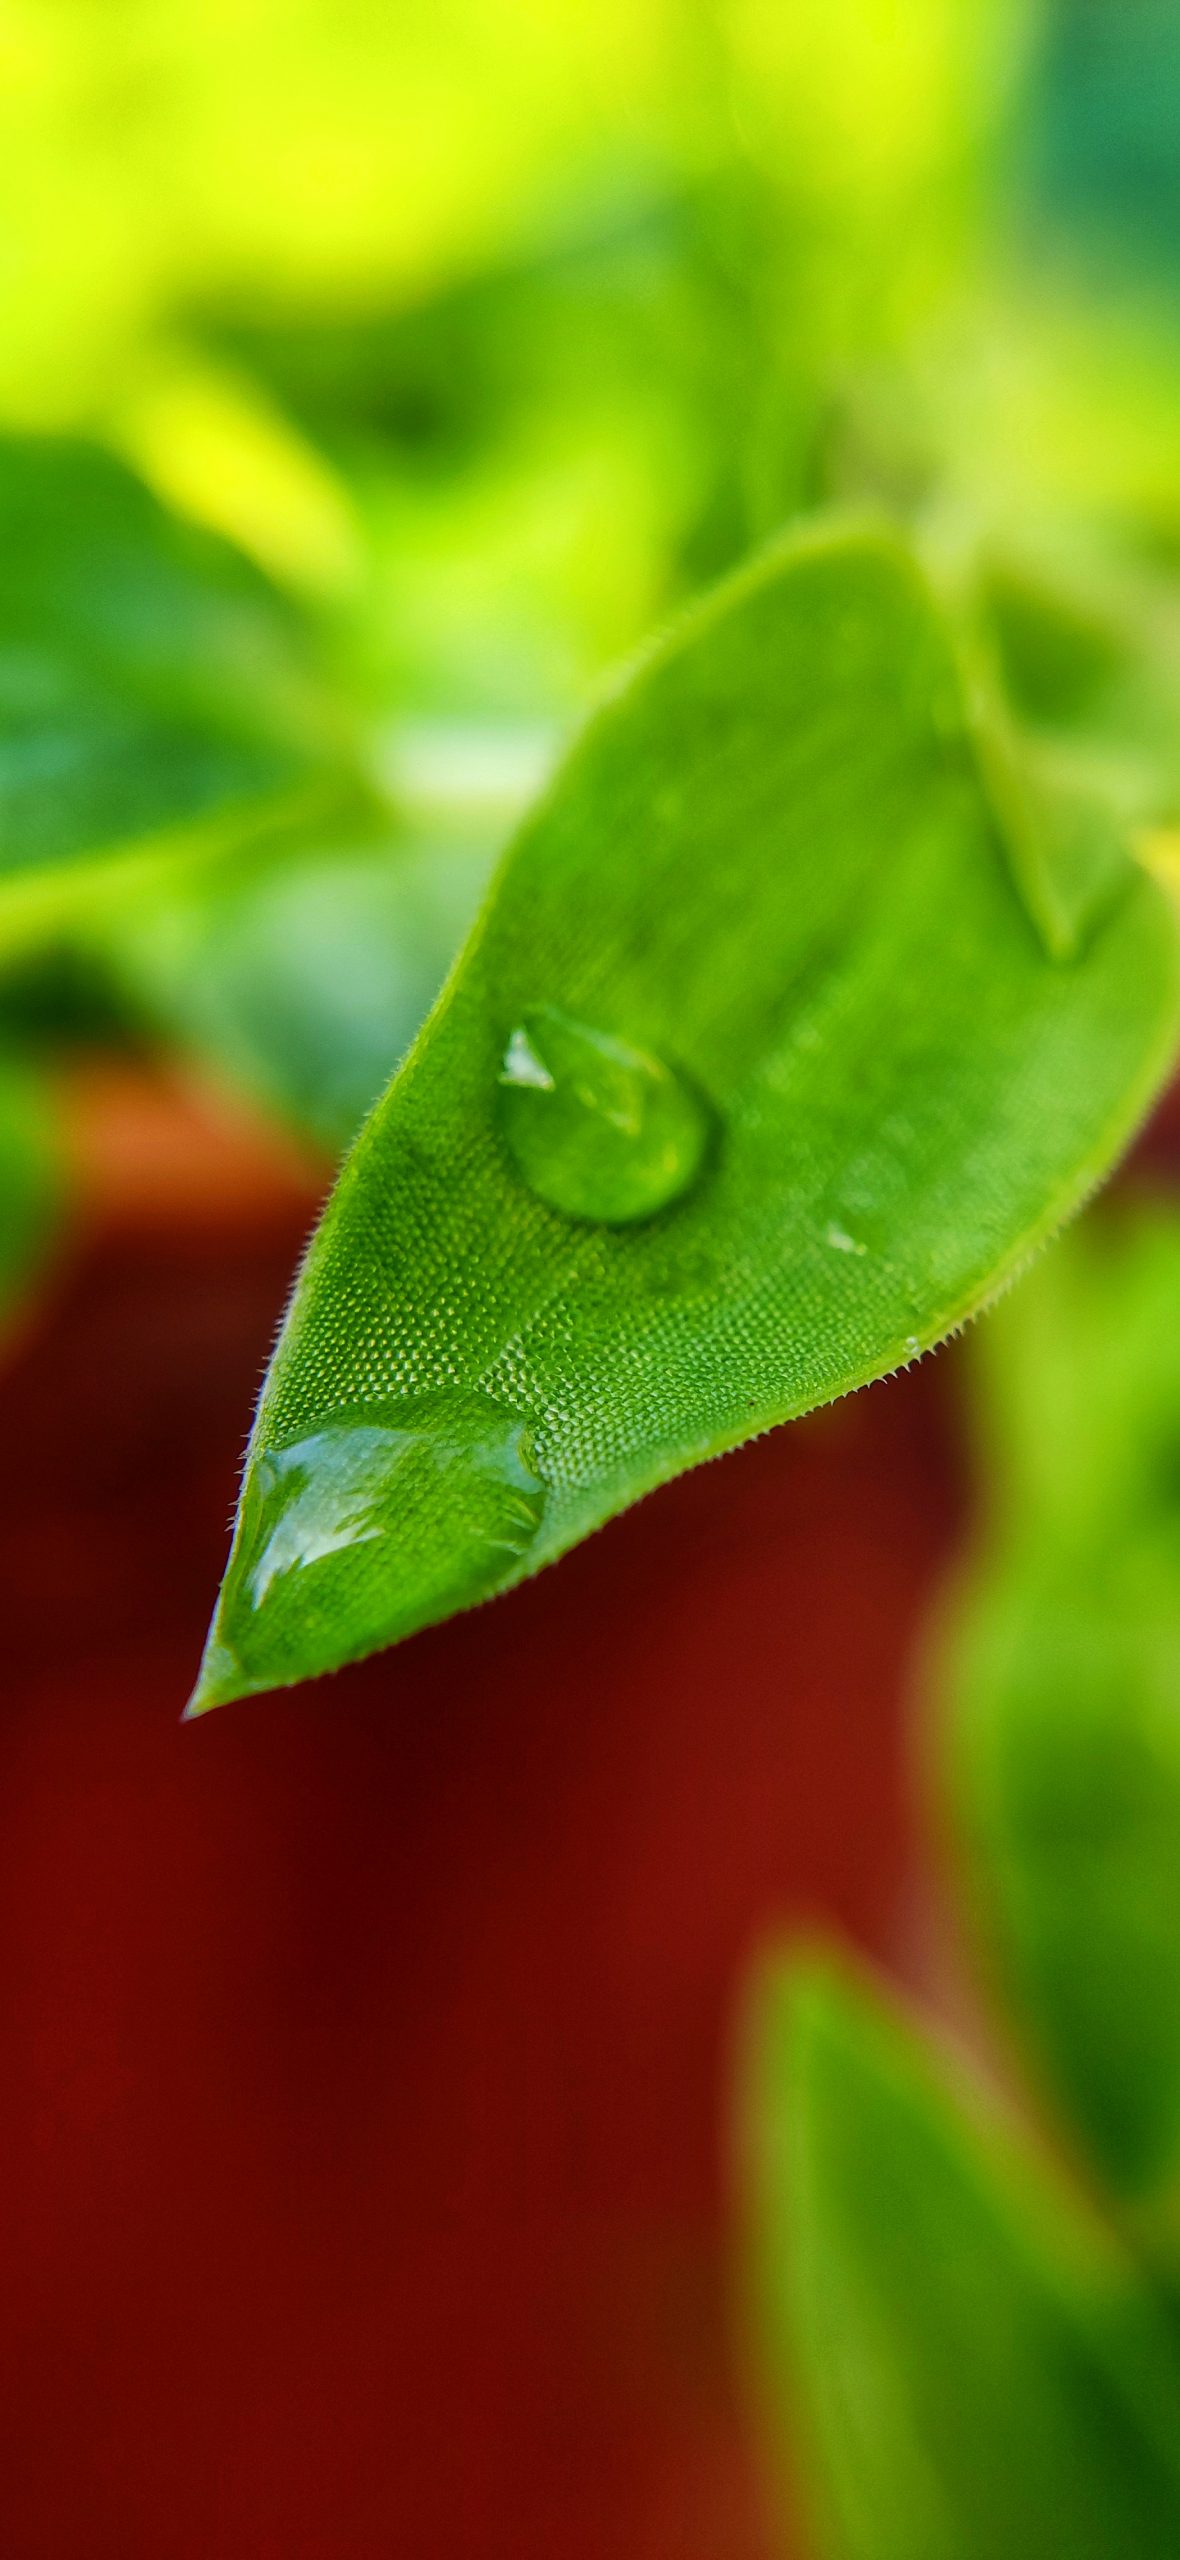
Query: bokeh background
(365,2053)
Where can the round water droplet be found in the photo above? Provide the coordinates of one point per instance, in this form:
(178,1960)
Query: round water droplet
(385,1516)
(598,1129)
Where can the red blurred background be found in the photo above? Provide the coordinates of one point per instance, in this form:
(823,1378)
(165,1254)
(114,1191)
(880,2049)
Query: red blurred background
(364,2050)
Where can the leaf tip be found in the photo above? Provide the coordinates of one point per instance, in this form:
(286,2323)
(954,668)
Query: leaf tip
(219,1681)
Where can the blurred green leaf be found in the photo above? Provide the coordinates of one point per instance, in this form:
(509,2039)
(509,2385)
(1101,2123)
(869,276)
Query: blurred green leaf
(435,376)
(1065,1746)
(31,1182)
(1069,1803)
(150,679)
(1080,1400)
(1086,649)
(1103,115)
(763,899)
(543,454)
(643,311)
(979,2376)
(301,970)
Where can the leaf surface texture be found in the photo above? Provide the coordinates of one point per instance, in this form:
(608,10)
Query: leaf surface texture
(769,872)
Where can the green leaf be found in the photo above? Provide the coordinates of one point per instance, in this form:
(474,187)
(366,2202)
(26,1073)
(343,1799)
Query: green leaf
(438,377)
(977,2374)
(1103,108)
(1065,1747)
(300,970)
(30,1183)
(149,677)
(768,873)
(640,318)
(1072,668)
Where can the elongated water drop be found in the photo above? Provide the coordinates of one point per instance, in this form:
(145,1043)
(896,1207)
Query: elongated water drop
(599,1129)
(385,1516)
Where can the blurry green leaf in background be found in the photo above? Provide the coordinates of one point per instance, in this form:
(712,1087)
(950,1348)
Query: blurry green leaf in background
(149,678)
(1107,83)
(31,1184)
(299,970)
(979,2374)
(936,2415)
(1064,1751)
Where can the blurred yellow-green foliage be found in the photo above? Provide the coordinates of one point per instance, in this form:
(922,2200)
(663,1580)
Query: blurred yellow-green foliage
(594,279)
(362,151)
(642,236)
(616,263)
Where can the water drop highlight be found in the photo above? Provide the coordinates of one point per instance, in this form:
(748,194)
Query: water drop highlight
(598,1129)
(382,1518)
